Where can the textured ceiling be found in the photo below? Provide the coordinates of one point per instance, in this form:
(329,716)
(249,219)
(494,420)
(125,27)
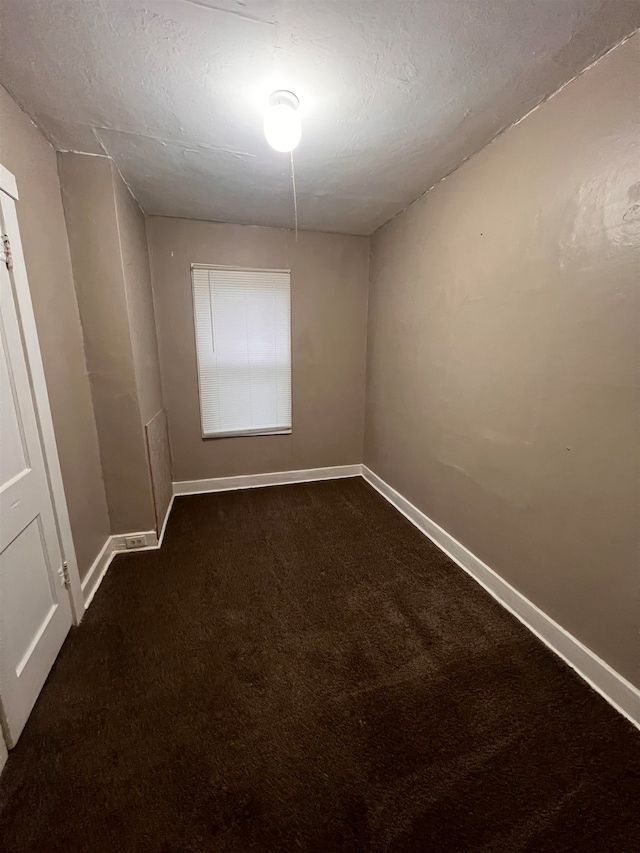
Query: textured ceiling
(394,94)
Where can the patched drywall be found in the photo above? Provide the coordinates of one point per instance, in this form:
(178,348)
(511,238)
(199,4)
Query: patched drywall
(329,286)
(27,154)
(503,353)
(394,95)
(159,451)
(90,210)
(134,256)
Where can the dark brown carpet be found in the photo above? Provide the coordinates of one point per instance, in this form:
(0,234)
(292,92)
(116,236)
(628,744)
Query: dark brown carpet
(298,669)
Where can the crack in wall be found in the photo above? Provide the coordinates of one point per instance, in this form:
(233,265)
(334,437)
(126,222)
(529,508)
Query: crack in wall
(252,18)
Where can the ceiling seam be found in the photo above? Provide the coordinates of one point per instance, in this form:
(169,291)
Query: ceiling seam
(28,114)
(253,225)
(504,130)
(56,149)
(251,18)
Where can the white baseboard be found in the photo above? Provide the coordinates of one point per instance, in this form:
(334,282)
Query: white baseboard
(164,523)
(254,481)
(118,542)
(619,692)
(4,754)
(98,569)
(114,545)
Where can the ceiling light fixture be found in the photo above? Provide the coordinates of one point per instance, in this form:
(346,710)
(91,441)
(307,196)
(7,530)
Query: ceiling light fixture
(282,127)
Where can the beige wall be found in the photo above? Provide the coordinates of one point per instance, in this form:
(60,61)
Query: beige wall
(134,251)
(157,436)
(137,275)
(25,153)
(329,282)
(90,210)
(503,357)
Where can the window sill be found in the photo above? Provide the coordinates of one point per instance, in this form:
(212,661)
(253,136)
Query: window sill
(245,433)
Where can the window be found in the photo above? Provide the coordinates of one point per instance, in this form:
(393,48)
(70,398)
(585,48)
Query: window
(243,343)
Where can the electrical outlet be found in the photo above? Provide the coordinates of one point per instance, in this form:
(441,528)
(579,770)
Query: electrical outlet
(135,541)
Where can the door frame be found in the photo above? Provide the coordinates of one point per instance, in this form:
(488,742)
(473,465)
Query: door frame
(8,199)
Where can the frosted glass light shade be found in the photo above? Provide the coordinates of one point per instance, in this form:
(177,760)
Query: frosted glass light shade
(282,127)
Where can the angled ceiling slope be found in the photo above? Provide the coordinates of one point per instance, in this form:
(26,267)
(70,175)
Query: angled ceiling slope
(394,95)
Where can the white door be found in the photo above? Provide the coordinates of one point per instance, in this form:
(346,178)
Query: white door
(35,609)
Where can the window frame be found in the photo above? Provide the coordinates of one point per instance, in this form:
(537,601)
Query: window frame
(248,432)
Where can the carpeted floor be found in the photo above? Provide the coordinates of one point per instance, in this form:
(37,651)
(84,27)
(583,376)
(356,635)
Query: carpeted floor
(298,669)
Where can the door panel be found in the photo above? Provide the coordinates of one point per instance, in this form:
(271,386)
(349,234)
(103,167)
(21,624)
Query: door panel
(13,459)
(35,610)
(30,596)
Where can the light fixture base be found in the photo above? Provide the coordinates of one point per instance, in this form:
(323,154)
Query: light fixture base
(282,96)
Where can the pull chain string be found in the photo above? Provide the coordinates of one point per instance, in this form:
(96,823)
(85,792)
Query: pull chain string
(295,200)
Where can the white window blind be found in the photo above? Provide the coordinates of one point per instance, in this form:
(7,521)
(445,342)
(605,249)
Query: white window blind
(243,342)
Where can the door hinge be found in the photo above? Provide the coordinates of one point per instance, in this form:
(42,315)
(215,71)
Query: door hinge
(5,254)
(63,571)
